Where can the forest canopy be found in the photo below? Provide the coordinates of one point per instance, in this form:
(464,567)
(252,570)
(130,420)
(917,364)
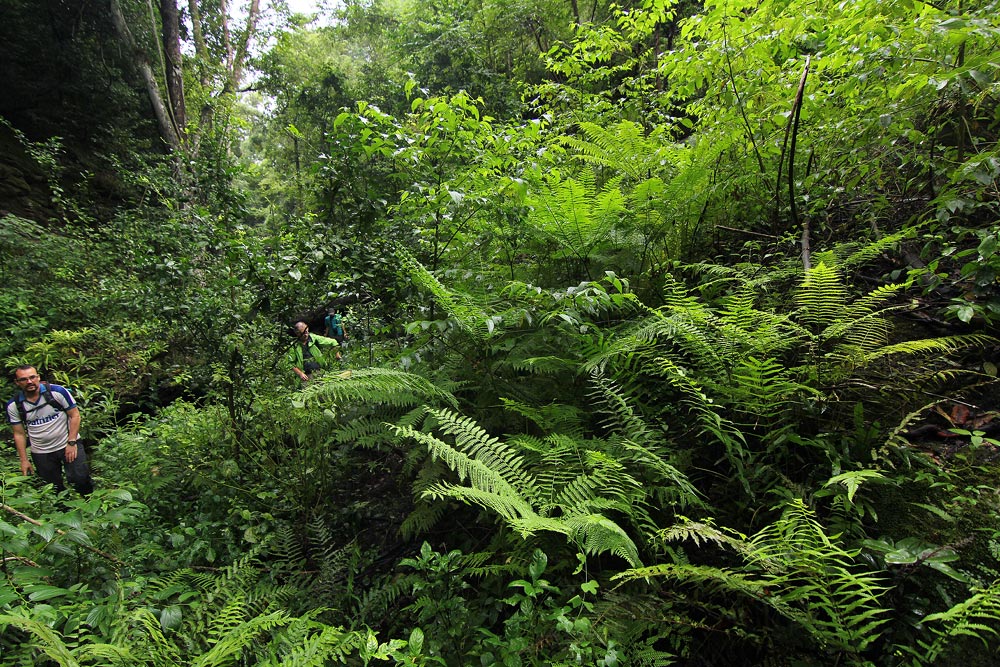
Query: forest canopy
(669,331)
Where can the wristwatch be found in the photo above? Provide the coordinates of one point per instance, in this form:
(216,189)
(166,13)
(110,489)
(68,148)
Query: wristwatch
(72,442)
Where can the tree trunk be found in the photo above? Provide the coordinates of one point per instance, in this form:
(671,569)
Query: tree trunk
(174,65)
(576,11)
(243,48)
(141,62)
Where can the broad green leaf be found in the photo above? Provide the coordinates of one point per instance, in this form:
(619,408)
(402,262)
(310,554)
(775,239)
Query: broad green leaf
(171,617)
(38,593)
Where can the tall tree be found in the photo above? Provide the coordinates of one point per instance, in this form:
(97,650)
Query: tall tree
(141,62)
(221,55)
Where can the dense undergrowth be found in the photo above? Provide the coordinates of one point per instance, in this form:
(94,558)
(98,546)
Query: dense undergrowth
(650,374)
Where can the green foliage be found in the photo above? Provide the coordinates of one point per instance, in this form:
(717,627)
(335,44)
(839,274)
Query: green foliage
(506,392)
(563,485)
(975,617)
(796,569)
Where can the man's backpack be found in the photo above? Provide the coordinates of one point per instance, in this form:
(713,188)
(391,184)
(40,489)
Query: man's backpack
(46,396)
(335,324)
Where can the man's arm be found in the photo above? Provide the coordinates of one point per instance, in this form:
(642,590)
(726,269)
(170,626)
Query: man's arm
(73,415)
(295,361)
(327,343)
(21,442)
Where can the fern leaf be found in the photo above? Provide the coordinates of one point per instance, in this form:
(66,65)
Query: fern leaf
(49,641)
(376,385)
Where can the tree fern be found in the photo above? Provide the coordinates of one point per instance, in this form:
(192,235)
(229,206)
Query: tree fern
(624,148)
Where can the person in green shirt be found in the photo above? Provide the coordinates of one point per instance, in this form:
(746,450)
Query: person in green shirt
(311,352)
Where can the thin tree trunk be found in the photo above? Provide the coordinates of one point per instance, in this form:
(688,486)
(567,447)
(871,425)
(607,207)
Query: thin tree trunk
(796,113)
(243,49)
(576,11)
(227,41)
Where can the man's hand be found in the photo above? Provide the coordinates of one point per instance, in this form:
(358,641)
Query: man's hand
(26,468)
(71,452)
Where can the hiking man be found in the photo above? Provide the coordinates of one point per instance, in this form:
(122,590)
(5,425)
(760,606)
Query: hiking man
(311,352)
(46,421)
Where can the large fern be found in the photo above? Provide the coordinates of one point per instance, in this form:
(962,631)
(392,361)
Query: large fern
(376,386)
(622,148)
(796,569)
(497,479)
(578,217)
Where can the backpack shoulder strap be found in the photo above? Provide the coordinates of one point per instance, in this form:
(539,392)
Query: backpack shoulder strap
(49,398)
(21,411)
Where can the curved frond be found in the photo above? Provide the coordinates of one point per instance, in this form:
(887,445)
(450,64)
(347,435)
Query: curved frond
(376,385)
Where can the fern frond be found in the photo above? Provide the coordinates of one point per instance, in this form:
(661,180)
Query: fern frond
(376,385)
(938,346)
(423,517)
(769,333)
(237,638)
(799,571)
(306,643)
(597,534)
(509,506)
(621,418)
(49,641)
(623,147)
(230,616)
(704,533)
(465,311)
(978,617)
(554,417)
(848,255)
(474,441)
(162,651)
(822,296)
(682,491)
(488,484)
(499,482)
(107,654)
(762,388)
(575,215)
(715,578)
(703,409)
(364,432)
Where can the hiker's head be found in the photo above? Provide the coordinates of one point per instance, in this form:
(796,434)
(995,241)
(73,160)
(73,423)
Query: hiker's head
(301,330)
(26,377)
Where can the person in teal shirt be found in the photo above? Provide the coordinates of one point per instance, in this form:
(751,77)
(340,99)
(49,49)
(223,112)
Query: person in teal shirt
(311,352)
